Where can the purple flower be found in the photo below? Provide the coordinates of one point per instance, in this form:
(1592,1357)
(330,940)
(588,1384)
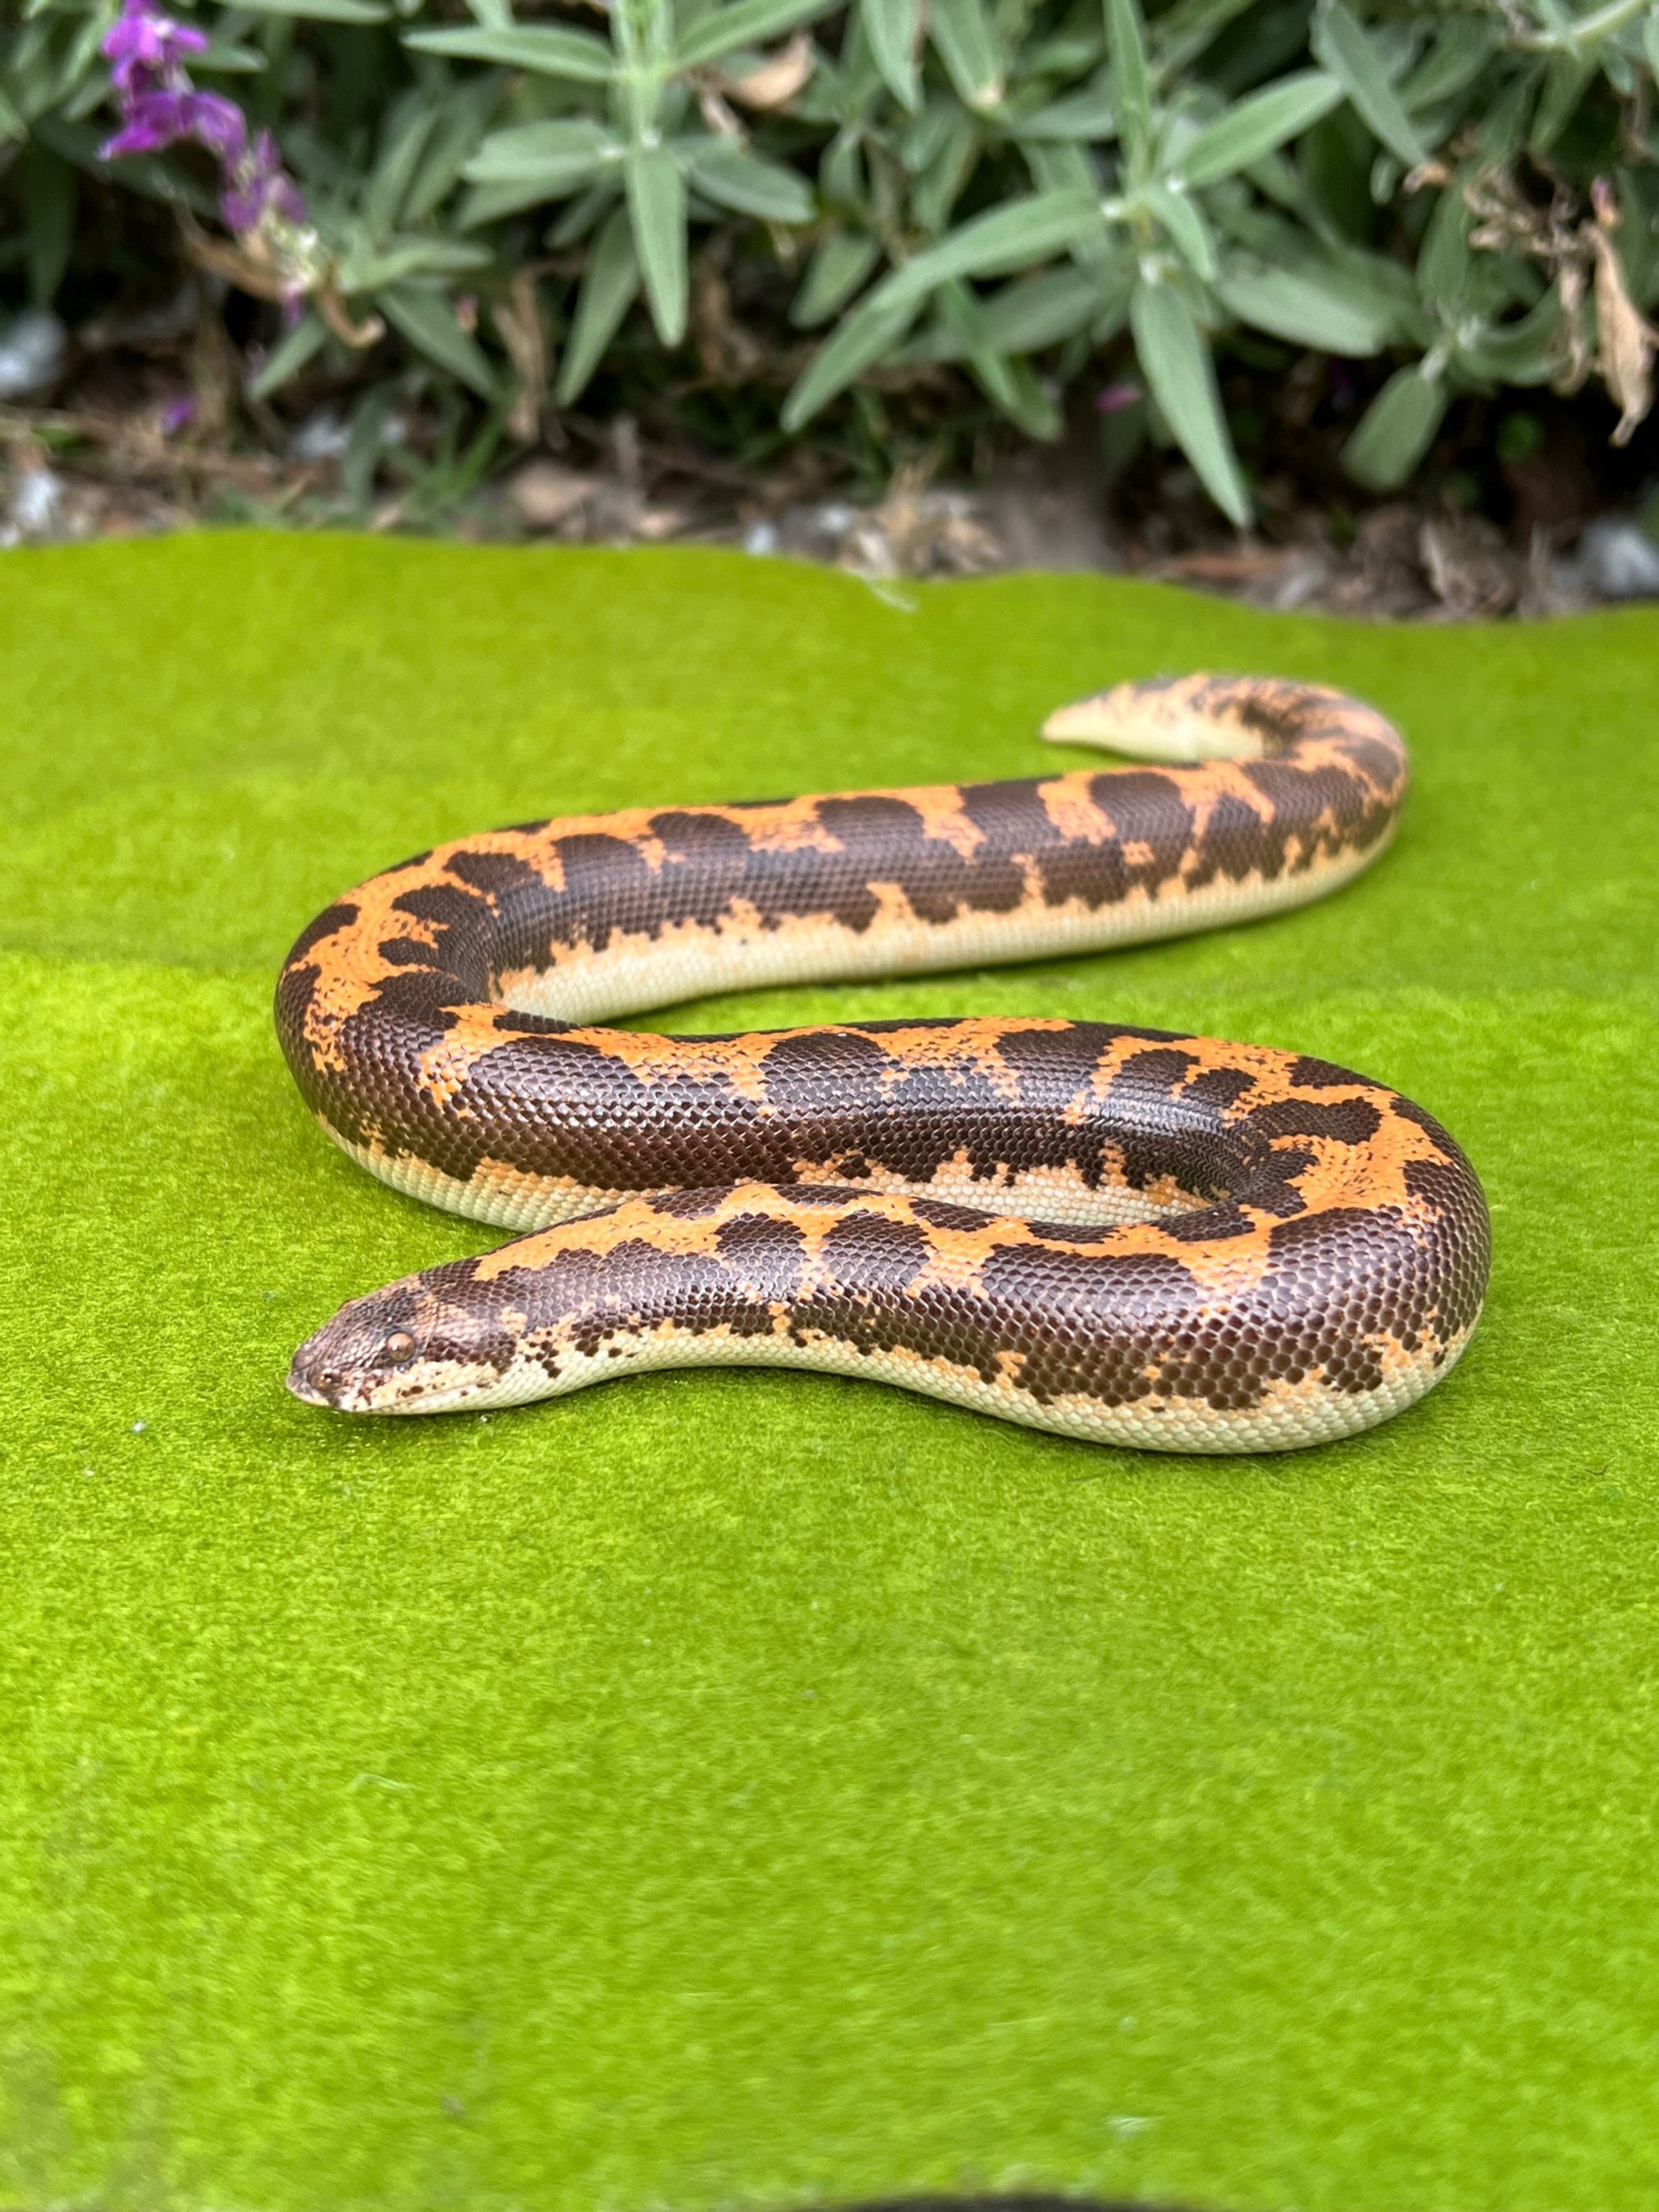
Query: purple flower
(176,413)
(160,107)
(1115,398)
(151,121)
(242,205)
(257,185)
(219,125)
(288,201)
(162,117)
(143,43)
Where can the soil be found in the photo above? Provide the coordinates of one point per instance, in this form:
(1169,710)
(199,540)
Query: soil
(1523,510)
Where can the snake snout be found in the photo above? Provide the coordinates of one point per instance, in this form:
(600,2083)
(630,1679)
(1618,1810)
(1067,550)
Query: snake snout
(355,1362)
(305,1383)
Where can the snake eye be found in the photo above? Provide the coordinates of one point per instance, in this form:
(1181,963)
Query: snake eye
(398,1348)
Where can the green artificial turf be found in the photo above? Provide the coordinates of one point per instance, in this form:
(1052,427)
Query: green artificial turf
(744,1790)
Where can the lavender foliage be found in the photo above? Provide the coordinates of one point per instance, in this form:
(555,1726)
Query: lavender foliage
(1039,195)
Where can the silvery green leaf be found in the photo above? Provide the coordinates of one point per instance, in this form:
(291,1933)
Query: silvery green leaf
(1184,222)
(893,28)
(610,286)
(656,208)
(1565,86)
(1442,265)
(1023,397)
(31,73)
(1181,376)
(1257,126)
(1460,48)
(1126,42)
(1185,30)
(490,202)
(1276,180)
(82,51)
(934,341)
(921,140)
(967,44)
(725,29)
(1059,166)
(839,265)
(414,257)
(1070,53)
(51,195)
(1522,352)
(938,189)
(1503,126)
(426,319)
(1299,308)
(1039,311)
(226,56)
(744,181)
(1370,284)
(492,14)
(320,11)
(465,110)
(578,216)
(1396,430)
(1020,398)
(840,172)
(1560,25)
(556,156)
(857,344)
(1090,114)
(541,47)
(402,143)
(1348,51)
(289,355)
(1011,236)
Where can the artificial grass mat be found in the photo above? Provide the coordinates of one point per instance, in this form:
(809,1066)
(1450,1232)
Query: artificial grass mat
(746,1789)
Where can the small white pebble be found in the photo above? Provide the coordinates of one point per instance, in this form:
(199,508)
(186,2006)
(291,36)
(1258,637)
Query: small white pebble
(30,353)
(36,495)
(1620,560)
(322,436)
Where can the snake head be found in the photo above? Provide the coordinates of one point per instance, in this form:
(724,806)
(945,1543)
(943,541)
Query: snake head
(418,1347)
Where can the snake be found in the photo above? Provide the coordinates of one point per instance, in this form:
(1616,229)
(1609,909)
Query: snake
(1124,1235)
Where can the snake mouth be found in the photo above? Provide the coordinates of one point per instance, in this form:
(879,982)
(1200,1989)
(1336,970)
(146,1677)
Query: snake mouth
(305,1387)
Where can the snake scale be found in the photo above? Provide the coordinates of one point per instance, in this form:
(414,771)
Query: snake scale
(1116,1233)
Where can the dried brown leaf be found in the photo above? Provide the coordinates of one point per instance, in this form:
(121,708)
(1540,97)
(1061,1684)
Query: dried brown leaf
(543,494)
(331,306)
(519,324)
(1625,342)
(776,82)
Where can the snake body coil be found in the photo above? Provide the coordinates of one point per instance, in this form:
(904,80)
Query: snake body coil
(1116,1233)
